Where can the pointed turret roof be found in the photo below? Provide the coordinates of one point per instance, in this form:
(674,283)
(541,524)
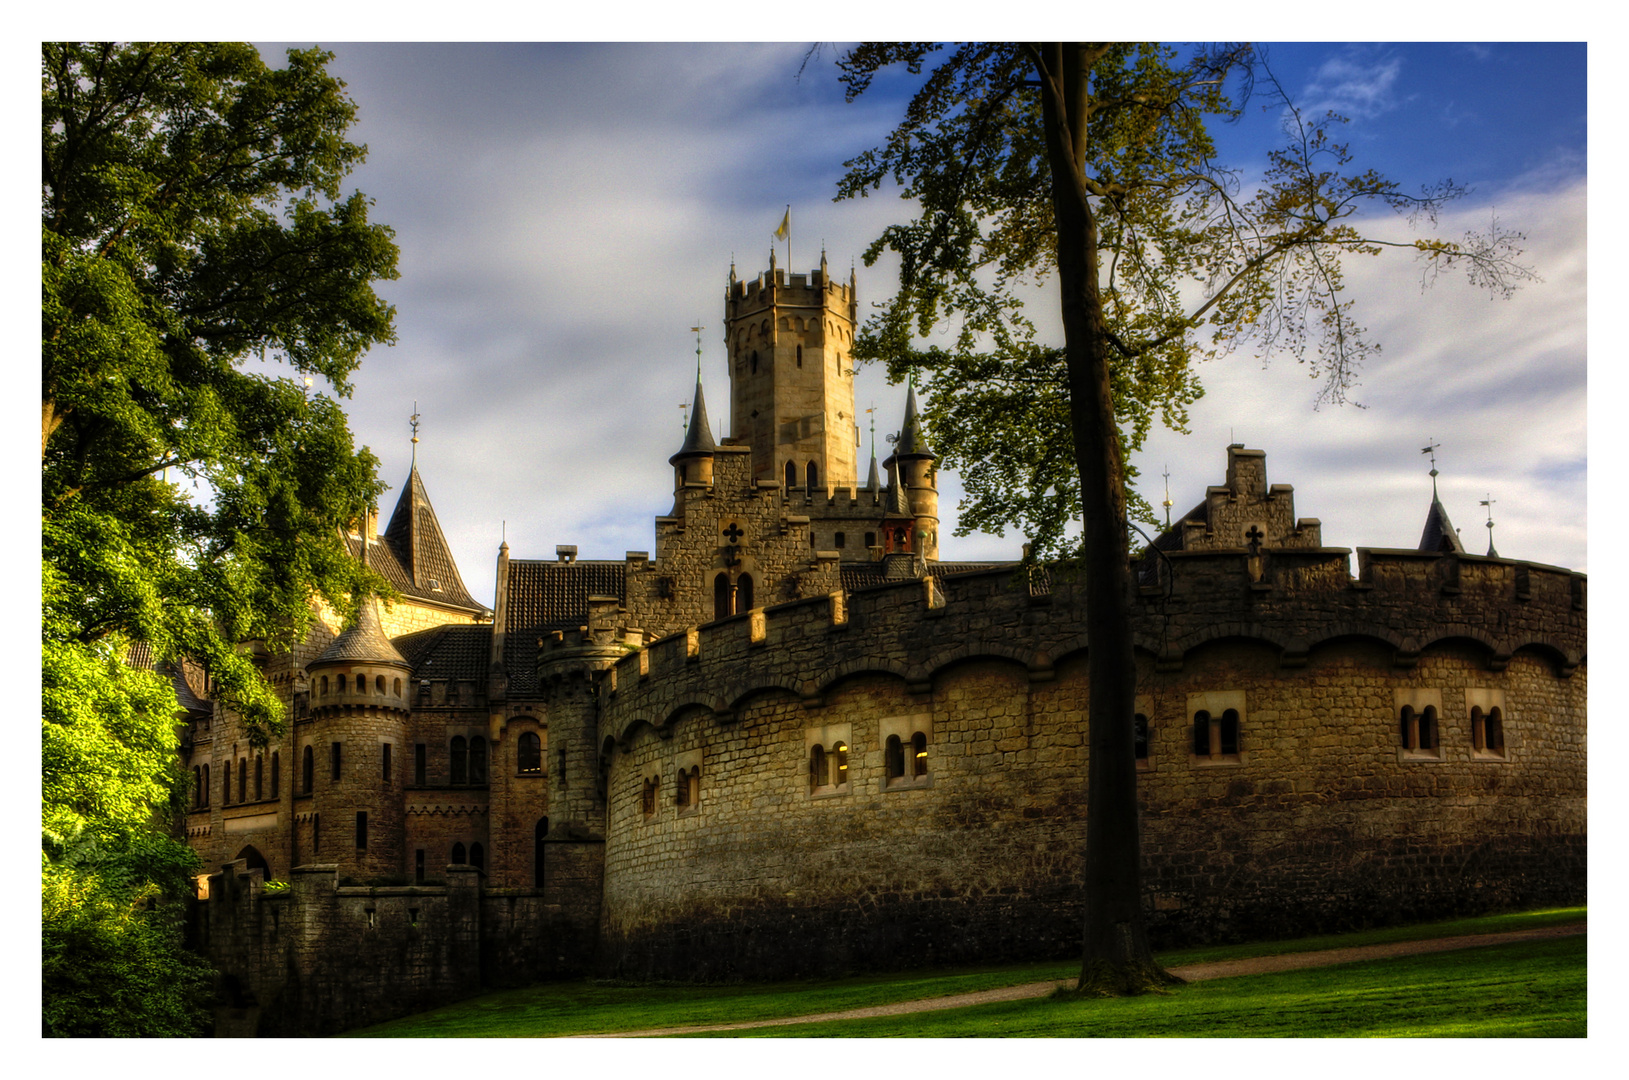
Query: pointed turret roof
(1439,534)
(413,554)
(911,441)
(895,500)
(873,482)
(698,437)
(364,640)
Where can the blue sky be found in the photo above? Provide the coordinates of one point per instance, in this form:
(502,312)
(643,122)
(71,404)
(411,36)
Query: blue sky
(566,212)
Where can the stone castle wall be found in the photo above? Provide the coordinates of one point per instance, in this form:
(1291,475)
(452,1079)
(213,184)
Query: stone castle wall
(1319,820)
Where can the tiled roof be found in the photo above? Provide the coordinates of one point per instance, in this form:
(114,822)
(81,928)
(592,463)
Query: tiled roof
(547,595)
(911,441)
(448,652)
(698,437)
(365,640)
(1439,534)
(413,555)
(860,575)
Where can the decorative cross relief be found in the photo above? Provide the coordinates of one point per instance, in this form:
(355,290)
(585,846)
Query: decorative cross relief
(1255,536)
(734,533)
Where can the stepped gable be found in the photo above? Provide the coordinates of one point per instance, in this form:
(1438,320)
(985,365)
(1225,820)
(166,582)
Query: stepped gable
(364,640)
(448,652)
(413,555)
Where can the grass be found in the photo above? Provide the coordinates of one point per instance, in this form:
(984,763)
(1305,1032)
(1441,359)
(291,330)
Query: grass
(1528,988)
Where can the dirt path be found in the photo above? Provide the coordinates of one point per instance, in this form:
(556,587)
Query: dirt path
(1258,965)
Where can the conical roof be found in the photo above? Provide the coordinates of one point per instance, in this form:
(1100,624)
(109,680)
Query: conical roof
(698,437)
(1439,534)
(364,641)
(911,441)
(894,499)
(873,482)
(415,539)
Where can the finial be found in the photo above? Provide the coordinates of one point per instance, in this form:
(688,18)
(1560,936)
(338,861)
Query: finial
(1167,495)
(1432,448)
(1488,502)
(697,329)
(772,260)
(414,421)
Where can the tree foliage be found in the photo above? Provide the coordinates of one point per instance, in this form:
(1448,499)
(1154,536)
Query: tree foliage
(1194,262)
(194,237)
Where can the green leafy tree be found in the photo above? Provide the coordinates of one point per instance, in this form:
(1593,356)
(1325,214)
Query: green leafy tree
(1093,162)
(192,497)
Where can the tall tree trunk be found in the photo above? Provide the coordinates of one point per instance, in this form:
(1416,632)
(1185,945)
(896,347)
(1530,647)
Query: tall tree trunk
(1116,957)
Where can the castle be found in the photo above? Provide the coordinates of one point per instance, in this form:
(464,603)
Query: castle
(795,742)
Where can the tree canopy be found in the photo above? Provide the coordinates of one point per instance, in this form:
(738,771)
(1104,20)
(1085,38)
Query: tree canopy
(201,268)
(1094,162)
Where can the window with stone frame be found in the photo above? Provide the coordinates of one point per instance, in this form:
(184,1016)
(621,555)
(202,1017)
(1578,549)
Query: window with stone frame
(243,779)
(1139,739)
(420,763)
(826,754)
(529,754)
(1487,714)
(647,797)
(459,754)
(687,784)
(477,855)
(308,771)
(260,775)
(905,748)
(276,773)
(459,858)
(1417,713)
(477,760)
(1217,728)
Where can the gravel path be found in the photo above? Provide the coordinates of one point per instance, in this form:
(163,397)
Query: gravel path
(1258,965)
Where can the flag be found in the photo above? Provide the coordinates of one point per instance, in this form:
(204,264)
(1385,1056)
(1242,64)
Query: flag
(786,225)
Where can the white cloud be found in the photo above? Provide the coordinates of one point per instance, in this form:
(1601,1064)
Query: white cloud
(1354,85)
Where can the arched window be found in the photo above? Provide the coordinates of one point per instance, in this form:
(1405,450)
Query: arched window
(813,473)
(1201,733)
(226,785)
(316,833)
(791,475)
(260,769)
(308,770)
(1230,732)
(1487,732)
(743,593)
(755,361)
(361,684)
(721,596)
(919,755)
(477,760)
(1139,736)
(339,684)
(894,758)
(477,856)
(540,831)
(839,764)
(206,785)
(324,691)
(197,791)
(1217,738)
(647,797)
(529,754)
(1418,730)
(243,779)
(333,761)
(458,858)
(687,791)
(817,767)
(396,687)
(275,770)
(800,356)
(379,684)
(460,760)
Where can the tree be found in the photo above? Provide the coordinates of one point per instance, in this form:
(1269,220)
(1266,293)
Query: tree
(192,497)
(1094,162)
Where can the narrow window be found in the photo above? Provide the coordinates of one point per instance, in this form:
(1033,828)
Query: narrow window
(1495,731)
(477,856)
(870,539)
(418,866)
(396,685)
(817,767)
(308,771)
(361,684)
(1230,732)
(894,755)
(840,764)
(339,684)
(755,361)
(276,771)
(458,858)
(1201,733)
(529,754)
(693,785)
(814,476)
(206,785)
(791,476)
(226,785)
(647,799)
(460,760)
(800,356)
(743,593)
(919,754)
(260,772)
(243,779)
(477,760)
(333,760)
(839,540)
(418,764)
(362,830)
(197,792)
(379,684)
(316,833)
(1428,728)
(1139,735)
(1407,730)
(539,831)
(384,762)
(324,691)
(721,596)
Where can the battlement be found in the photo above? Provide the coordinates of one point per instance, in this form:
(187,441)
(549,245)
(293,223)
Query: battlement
(778,288)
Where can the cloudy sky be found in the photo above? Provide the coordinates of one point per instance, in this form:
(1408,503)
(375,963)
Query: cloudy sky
(567,212)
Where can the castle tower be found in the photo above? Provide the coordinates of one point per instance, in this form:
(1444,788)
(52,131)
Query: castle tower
(693,464)
(790,343)
(350,761)
(913,463)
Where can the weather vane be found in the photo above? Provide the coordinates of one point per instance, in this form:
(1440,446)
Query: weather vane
(697,329)
(1488,502)
(414,422)
(1167,495)
(1432,448)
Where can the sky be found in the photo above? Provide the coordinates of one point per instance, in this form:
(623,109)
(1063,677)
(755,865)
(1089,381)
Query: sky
(566,212)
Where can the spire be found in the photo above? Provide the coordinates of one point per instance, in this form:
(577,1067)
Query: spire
(824,277)
(698,437)
(911,442)
(873,482)
(895,500)
(1488,502)
(415,538)
(1440,534)
(363,640)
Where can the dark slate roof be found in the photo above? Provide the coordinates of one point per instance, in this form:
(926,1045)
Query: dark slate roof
(413,555)
(545,595)
(860,575)
(1439,534)
(895,500)
(911,442)
(363,641)
(698,437)
(448,652)
(873,482)
(182,676)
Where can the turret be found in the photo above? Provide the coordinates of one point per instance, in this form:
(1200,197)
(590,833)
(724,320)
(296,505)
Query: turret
(913,462)
(693,464)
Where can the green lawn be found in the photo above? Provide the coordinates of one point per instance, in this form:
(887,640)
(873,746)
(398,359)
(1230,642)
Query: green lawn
(585,1007)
